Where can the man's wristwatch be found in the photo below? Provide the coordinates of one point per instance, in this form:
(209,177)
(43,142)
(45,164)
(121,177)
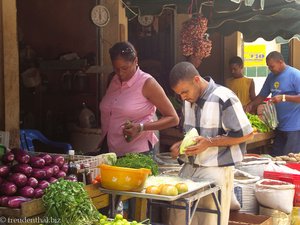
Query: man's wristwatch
(283,98)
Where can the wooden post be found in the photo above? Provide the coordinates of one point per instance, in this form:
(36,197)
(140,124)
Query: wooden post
(9,71)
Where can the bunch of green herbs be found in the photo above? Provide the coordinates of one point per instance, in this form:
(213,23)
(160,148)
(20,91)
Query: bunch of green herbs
(69,203)
(137,161)
(258,123)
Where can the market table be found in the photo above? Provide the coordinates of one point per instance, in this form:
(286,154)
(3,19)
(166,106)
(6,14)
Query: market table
(188,201)
(261,140)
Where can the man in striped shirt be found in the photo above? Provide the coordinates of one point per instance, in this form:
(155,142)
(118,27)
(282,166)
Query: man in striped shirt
(223,127)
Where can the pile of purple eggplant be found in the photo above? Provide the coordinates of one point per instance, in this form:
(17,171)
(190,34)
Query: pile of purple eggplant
(24,176)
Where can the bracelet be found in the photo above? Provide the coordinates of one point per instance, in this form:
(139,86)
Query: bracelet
(141,127)
(283,98)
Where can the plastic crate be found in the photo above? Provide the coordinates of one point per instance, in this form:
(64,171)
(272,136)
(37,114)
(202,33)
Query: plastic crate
(287,177)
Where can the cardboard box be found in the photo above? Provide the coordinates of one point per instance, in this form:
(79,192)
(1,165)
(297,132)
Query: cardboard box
(237,218)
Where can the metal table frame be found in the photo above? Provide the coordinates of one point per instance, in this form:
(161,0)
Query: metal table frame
(190,202)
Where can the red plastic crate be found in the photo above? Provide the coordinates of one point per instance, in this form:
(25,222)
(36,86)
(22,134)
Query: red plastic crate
(287,177)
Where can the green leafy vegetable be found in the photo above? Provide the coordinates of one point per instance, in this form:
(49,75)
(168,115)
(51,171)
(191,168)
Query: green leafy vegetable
(257,123)
(137,161)
(69,203)
(188,140)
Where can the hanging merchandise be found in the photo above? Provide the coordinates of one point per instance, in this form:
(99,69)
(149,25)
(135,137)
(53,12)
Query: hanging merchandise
(194,39)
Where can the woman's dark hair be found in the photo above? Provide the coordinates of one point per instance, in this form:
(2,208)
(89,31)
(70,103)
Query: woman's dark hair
(124,50)
(236,60)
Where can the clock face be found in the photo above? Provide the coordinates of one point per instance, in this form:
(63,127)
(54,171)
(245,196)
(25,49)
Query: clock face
(100,15)
(146,20)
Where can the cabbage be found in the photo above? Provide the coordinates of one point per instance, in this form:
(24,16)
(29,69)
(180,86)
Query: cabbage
(188,140)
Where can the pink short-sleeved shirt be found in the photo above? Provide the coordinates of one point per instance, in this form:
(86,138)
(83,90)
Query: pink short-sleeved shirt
(125,101)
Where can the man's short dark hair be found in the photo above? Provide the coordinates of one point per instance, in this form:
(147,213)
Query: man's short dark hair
(275,56)
(236,60)
(182,71)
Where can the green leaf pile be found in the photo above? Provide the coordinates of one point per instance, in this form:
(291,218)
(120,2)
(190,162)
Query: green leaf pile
(137,161)
(258,123)
(69,203)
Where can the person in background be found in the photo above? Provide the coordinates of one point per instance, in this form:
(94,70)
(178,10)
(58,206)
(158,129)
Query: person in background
(223,129)
(129,104)
(242,86)
(283,83)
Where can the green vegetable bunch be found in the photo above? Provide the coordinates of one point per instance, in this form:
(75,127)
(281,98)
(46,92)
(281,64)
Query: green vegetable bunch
(258,123)
(118,220)
(137,161)
(69,203)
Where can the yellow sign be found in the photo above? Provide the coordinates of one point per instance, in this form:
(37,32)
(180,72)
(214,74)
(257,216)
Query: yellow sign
(254,55)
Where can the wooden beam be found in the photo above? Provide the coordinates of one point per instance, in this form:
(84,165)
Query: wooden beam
(9,71)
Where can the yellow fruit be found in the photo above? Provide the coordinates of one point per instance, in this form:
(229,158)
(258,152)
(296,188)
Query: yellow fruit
(169,189)
(152,189)
(181,187)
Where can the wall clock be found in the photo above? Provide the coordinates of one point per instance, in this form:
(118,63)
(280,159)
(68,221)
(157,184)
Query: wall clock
(146,20)
(100,15)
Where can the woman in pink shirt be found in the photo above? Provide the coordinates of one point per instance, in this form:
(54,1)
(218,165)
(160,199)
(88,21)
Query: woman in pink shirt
(129,105)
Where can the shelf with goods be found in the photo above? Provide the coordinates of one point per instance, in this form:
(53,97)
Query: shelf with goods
(59,98)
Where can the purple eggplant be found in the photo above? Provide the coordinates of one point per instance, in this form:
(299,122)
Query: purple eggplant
(65,167)
(58,160)
(60,174)
(4,170)
(3,201)
(22,156)
(19,179)
(32,182)
(38,192)
(16,201)
(52,180)
(39,173)
(8,158)
(43,184)
(49,171)
(26,191)
(22,168)
(8,188)
(55,169)
(46,157)
(37,162)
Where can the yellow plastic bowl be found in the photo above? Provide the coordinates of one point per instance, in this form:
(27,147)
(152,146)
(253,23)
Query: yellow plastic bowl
(123,179)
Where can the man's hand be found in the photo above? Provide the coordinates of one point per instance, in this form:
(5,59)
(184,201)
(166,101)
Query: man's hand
(248,108)
(276,99)
(202,144)
(175,149)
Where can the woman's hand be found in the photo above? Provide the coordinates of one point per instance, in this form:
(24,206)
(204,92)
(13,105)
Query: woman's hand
(130,130)
(175,149)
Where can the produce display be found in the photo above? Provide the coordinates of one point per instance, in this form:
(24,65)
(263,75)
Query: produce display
(137,161)
(257,124)
(167,189)
(69,202)
(24,176)
(118,220)
(291,157)
(188,140)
